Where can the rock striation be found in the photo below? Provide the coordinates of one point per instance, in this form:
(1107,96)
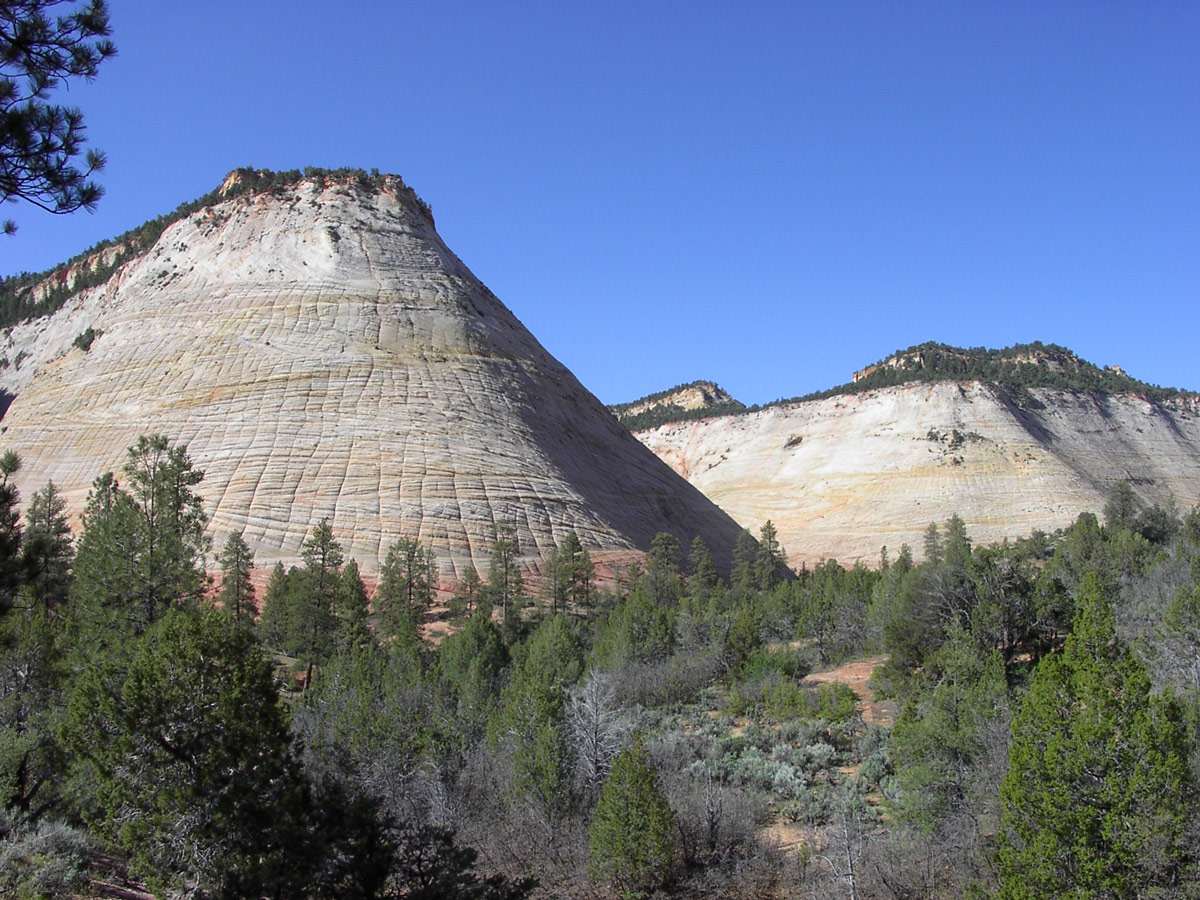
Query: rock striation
(323,353)
(843,476)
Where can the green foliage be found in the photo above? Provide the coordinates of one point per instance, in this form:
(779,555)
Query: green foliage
(1014,369)
(350,610)
(467,593)
(637,630)
(631,841)
(470,663)
(407,580)
(369,720)
(948,745)
(31,295)
(10,532)
(237,591)
(142,547)
(47,549)
(830,606)
(216,794)
(664,413)
(569,574)
(505,584)
(40,141)
(1095,800)
(85,338)
(771,561)
(527,722)
(31,682)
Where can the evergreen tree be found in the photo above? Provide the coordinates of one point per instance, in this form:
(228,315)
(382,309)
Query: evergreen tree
(470,663)
(312,631)
(743,580)
(350,611)
(949,744)
(47,548)
(142,549)
(407,580)
(1098,793)
(40,141)
(193,760)
(703,575)
(662,584)
(631,841)
(237,591)
(506,586)
(31,671)
(10,532)
(770,561)
(1122,507)
(528,722)
(276,623)
(569,573)
(467,592)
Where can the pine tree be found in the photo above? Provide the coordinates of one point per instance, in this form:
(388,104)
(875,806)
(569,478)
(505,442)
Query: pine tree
(312,630)
(631,841)
(142,547)
(10,532)
(505,584)
(40,141)
(48,549)
(467,592)
(743,579)
(350,611)
(276,623)
(662,583)
(215,797)
(1098,793)
(237,590)
(770,560)
(407,580)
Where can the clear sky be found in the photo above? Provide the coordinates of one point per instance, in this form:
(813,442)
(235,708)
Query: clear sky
(768,195)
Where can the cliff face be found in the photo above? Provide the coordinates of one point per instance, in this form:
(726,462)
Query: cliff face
(323,353)
(843,476)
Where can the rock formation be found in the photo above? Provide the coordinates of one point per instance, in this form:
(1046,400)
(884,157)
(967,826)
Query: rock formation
(323,353)
(843,476)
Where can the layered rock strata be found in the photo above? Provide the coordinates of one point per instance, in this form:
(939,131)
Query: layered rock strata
(323,353)
(844,476)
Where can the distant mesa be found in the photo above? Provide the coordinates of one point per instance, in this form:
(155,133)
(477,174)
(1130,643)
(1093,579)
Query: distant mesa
(695,400)
(1012,440)
(322,352)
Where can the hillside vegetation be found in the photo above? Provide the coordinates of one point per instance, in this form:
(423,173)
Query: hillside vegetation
(1016,369)
(666,406)
(657,736)
(30,295)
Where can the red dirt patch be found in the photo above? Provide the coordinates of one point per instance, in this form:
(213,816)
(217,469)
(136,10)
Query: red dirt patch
(856,675)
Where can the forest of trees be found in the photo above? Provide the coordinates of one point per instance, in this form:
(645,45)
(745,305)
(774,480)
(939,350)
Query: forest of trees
(652,735)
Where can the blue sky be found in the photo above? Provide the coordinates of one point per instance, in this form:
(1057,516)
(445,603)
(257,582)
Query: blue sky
(769,195)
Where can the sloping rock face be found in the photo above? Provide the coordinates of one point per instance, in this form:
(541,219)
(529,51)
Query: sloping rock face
(844,476)
(697,395)
(323,353)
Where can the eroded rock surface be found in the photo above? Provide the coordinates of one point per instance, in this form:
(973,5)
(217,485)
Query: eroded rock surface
(844,476)
(323,353)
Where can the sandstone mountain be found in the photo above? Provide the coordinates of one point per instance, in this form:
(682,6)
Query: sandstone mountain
(323,353)
(843,475)
(686,401)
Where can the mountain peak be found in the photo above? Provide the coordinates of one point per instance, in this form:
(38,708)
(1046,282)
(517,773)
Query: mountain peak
(322,352)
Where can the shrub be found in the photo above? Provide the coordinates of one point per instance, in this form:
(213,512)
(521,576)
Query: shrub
(84,339)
